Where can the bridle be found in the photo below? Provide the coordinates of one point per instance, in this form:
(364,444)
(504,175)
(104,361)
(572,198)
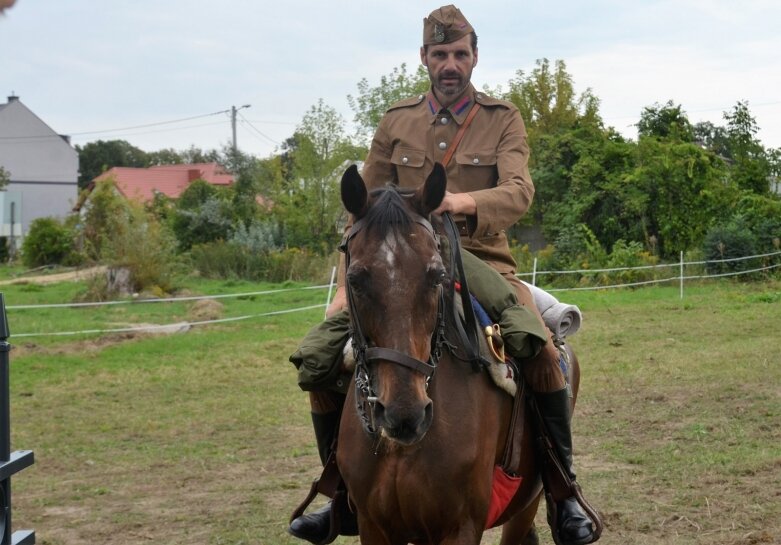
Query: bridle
(365,396)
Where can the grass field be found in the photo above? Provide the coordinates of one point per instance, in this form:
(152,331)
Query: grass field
(204,437)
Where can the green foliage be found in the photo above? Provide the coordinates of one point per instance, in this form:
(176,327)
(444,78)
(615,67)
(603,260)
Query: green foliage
(750,166)
(202,214)
(198,192)
(547,100)
(731,240)
(5,251)
(101,155)
(762,216)
(48,242)
(258,237)
(665,121)
(208,222)
(105,214)
(231,260)
(5,177)
(372,102)
(682,191)
(307,204)
(146,248)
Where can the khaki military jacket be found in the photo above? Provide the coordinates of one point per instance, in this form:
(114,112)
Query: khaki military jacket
(490,163)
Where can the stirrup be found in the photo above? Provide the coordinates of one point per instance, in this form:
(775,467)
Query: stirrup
(588,509)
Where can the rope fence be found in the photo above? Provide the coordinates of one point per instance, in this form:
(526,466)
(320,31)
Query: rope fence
(680,277)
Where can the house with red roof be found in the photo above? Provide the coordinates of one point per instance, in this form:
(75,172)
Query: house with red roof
(142,184)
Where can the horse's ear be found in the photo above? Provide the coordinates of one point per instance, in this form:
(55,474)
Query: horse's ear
(354,195)
(430,195)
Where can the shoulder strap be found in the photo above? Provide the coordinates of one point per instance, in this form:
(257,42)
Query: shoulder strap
(460,134)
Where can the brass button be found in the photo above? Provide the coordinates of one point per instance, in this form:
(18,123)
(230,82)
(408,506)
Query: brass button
(442,145)
(405,160)
(476,161)
(444,120)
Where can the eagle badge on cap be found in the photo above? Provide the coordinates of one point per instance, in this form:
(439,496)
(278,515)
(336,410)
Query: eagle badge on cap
(439,33)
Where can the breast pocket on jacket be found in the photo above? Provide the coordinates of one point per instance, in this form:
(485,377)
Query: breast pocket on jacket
(476,170)
(409,164)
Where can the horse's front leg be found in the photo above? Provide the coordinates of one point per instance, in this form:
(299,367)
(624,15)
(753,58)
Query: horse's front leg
(468,534)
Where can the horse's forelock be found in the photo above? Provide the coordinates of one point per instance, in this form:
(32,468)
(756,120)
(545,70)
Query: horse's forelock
(388,211)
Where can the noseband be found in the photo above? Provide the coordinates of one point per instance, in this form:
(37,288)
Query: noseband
(364,354)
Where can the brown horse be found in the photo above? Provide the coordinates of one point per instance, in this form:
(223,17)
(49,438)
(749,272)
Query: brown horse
(422,430)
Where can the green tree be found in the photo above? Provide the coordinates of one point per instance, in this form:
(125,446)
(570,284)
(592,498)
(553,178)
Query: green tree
(371,102)
(48,242)
(145,247)
(547,100)
(166,156)
(308,203)
(665,121)
(202,214)
(97,157)
(197,155)
(5,178)
(750,166)
(105,215)
(683,193)
(564,129)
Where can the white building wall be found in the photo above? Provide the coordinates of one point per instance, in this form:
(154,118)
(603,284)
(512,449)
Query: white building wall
(43,167)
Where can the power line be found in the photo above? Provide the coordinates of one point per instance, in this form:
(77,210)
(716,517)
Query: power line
(151,124)
(146,125)
(174,128)
(258,131)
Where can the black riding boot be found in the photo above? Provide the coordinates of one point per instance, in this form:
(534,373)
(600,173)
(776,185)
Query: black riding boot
(570,523)
(316,526)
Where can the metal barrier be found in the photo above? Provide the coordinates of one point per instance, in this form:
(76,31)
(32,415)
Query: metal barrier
(10,462)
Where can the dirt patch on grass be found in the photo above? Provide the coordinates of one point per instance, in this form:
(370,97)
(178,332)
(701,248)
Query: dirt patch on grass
(69,276)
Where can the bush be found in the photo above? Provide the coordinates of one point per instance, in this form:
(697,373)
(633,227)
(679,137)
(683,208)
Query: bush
(229,260)
(729,241)
(146,248)
(48,242)
(259,237)
(628,255)
(105,213)
(209,222)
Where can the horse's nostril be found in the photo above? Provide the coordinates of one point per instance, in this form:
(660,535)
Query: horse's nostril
(405,426)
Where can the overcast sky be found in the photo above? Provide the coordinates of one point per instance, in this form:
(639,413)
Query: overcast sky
(87,66)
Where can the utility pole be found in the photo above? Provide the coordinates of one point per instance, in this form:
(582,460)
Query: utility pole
(234,109)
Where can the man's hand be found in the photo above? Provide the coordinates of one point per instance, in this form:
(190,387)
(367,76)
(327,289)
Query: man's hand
(338,303)
(457,203)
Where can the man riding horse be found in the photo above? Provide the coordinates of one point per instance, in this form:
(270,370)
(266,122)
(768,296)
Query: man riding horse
(482,142)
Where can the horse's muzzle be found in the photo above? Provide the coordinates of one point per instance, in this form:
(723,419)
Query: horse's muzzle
(405,425)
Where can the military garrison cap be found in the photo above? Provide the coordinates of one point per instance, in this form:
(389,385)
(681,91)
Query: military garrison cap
(445,25)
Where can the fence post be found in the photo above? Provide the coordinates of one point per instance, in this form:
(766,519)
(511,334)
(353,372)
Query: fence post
(681,275)
(10,462)
(534,272)
(330,289)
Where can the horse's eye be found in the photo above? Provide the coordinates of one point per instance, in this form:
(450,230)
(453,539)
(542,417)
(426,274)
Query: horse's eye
(358,278)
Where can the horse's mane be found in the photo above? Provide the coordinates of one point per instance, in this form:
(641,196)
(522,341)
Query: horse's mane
(388,210)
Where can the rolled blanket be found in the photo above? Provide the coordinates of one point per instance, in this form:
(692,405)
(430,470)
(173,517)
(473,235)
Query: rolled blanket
(562,319)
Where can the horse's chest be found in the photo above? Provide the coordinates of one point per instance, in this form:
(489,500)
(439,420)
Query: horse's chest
(411,489)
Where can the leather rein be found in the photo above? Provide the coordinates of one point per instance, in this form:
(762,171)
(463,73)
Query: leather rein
(365,396)
(364,354)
